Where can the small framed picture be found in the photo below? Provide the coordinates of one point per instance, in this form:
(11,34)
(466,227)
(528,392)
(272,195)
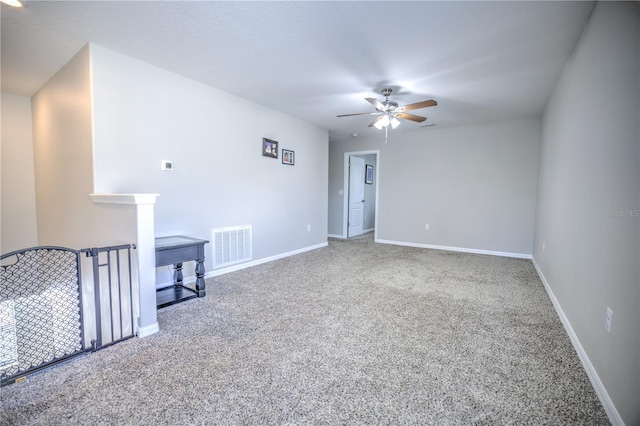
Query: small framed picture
(288,157)
(269,148)
(368,176)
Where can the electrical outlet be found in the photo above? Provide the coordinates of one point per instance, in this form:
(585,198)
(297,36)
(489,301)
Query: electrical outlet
(544,245)
(426,227)
(607,320)
(308,228)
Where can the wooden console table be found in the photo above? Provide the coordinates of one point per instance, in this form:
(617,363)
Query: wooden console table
(174,251)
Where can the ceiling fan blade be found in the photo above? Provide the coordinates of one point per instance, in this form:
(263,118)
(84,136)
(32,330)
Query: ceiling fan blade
(411,117)
(375,121)
(360,113)
(376,103)
(418,105)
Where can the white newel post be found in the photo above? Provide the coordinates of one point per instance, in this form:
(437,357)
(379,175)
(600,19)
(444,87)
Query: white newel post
(146,257)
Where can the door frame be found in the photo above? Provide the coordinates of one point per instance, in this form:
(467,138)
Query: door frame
(345,195)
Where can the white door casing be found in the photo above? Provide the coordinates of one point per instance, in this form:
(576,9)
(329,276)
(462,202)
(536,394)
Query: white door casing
(356,196)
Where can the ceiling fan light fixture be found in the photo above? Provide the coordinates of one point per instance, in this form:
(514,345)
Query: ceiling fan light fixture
(389,112)
(13,3)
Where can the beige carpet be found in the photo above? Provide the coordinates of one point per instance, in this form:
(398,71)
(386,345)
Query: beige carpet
(354,333)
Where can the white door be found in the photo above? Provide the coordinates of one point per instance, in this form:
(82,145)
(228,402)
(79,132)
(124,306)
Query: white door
(356,196)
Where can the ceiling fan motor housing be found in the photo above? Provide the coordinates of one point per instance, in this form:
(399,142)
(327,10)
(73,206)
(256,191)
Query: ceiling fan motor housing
(389,106)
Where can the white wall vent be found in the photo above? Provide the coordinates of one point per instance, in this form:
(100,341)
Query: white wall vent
(231,245)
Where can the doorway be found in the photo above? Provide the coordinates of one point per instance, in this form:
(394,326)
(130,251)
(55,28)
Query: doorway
(360,202)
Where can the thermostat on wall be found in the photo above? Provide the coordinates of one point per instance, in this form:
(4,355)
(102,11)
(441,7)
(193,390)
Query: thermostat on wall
(167,165)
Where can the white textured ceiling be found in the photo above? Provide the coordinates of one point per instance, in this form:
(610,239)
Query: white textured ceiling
(482,61)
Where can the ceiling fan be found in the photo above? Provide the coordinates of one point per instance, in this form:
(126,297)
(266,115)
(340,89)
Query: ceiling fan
(388,111)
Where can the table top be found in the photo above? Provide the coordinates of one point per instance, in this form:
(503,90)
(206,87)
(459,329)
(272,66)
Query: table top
(174,241)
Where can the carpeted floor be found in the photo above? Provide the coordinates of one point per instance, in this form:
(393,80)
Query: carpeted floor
(354,333)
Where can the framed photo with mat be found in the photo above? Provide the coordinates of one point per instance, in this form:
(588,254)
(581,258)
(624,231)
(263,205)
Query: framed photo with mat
(368,176)
(269,148)
(288,157)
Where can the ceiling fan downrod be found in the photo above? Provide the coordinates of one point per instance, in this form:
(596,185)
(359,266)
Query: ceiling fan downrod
(388,105)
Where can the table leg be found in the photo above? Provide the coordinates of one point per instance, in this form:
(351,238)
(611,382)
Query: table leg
(177,274)
(200,284)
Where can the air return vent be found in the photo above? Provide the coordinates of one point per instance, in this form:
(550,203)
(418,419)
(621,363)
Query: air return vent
(231,245)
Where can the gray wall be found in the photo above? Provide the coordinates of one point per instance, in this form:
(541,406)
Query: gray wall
(587,233)
(475,186)
(103,124)
(18,215)
(144,114)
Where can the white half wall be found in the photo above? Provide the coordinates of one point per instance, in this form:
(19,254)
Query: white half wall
(474,186)
(18,197)
(587,236)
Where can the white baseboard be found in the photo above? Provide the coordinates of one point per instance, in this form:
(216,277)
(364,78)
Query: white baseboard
(342,237)
(597,384)
(239,266)
(148,330)
(458,249)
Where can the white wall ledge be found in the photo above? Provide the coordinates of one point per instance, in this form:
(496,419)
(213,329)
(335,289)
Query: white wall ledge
(124,198)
